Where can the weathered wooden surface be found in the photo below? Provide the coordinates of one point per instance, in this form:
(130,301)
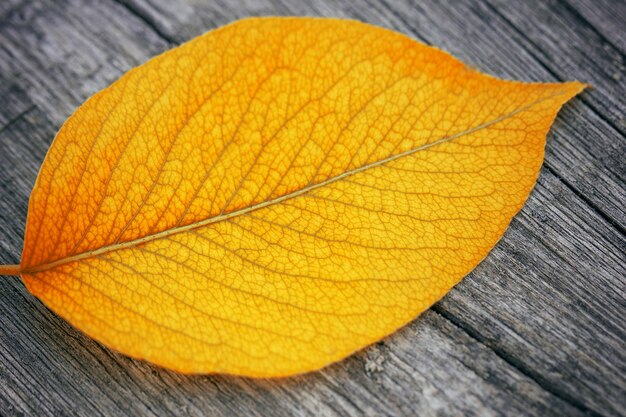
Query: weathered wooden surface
(537,329)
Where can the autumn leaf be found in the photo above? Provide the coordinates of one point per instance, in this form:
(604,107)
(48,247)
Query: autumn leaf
(276,194)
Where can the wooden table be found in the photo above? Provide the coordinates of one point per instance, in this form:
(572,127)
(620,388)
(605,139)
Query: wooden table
(537,329)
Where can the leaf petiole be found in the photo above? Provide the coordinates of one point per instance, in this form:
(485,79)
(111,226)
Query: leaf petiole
(10,270)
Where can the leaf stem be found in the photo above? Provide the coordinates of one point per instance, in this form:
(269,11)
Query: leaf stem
(10,270)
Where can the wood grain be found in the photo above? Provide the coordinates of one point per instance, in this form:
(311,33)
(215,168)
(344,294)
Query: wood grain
(536,329)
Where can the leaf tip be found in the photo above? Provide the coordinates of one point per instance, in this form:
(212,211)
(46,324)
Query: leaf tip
(575,88)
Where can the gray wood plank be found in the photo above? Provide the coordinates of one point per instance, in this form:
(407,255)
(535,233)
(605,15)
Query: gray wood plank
(45,49)
(549,299)
(607,17)
(568,47)
(535,330)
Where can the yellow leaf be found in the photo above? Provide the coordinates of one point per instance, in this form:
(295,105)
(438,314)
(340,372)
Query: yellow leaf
(279,193)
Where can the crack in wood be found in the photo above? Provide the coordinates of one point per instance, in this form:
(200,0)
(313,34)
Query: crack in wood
(545,384)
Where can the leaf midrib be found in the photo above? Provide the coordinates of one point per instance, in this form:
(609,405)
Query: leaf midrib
(216,219)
